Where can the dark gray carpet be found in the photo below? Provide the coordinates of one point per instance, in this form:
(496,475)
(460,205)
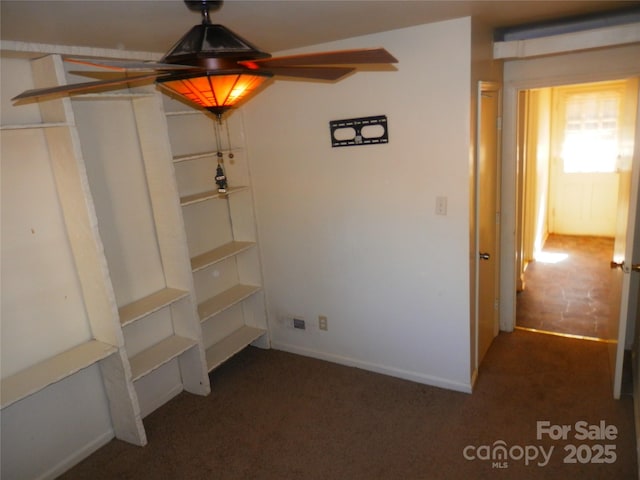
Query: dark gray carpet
(274,415)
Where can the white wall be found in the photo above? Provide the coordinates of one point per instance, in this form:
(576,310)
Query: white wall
(537,171)
(351,233)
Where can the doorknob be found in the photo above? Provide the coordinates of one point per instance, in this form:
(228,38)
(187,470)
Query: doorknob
(634,268)
(487,256)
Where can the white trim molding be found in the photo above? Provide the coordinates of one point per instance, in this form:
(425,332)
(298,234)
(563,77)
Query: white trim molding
(375,367)
(568,42)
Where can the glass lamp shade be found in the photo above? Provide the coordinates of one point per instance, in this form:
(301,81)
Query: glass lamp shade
(216,93)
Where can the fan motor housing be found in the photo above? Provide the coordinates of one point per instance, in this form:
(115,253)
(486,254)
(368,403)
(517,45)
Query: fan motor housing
(209,45)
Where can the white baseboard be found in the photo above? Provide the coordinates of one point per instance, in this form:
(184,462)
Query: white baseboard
(373,367)
(77,456)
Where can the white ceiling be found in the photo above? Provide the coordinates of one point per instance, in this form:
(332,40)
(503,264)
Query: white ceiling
(272,25)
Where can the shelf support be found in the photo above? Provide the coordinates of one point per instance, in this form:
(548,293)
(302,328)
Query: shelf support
(153,135)
(81,222)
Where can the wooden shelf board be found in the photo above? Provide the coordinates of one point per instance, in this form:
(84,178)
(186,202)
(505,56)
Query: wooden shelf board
(32,126)
(224,300)
(184,112)
(149,304)
(230,345)
(162,352)
(111,96)
(194,156)
(35,378)
(218,254)
(210,194)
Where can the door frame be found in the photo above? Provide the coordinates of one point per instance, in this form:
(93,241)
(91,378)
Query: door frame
(570,68)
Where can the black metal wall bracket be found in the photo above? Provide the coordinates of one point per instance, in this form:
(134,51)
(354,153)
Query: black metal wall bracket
(359,131)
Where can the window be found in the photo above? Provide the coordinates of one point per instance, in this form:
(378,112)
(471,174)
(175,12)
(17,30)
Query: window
(591,131)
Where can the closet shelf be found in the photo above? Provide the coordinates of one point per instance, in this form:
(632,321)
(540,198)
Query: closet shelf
(154,357)
(196,156)
(184,112)
(216,255)
(111,96)
(225,300)
(149,304)
(208,195)
(221,351)
(41,375)
(32,126)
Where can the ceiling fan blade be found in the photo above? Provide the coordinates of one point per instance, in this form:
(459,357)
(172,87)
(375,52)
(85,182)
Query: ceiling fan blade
(371,55)
(128,65)
(80,87)
(313,73)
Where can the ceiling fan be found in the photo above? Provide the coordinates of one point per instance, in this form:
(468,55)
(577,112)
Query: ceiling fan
(214,68)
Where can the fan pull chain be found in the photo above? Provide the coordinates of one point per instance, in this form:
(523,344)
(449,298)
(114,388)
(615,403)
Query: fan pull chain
(231,155)
(221,178)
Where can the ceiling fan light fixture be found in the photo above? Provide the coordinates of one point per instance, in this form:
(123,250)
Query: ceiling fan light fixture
(224,83)
(214,68)
(216,92)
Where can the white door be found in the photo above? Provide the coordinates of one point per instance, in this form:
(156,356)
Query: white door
(584,170)
(487,226)
(624,255)
(583,203)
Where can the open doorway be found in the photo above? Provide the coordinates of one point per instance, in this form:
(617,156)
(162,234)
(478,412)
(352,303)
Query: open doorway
(570,138)
(572,67)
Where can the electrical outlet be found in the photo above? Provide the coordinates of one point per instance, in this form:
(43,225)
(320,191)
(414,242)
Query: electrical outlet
(322,323)
(298,323)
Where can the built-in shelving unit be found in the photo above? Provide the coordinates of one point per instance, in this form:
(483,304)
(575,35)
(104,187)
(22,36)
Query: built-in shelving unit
(220,230)
(145,246)
(59,132)
(115,180)
(168,268)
